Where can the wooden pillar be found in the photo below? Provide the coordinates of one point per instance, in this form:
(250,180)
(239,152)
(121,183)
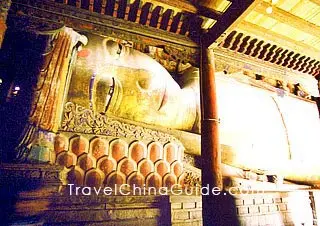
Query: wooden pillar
(4,7)
(313,207)
(210,146)
(317,99)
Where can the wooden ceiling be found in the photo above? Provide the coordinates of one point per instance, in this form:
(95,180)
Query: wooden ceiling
(288,36)
(192,19)
(180,17)
(285,32)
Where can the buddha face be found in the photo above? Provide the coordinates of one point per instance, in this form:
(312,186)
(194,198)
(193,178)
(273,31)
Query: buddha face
(107,64)
(117,80)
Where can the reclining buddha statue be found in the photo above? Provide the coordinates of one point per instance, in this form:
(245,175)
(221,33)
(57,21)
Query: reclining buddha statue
(260,128)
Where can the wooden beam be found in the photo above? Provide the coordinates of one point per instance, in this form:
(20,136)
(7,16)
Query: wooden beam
(187,7)
(209,13)
(228,21)
(317,2)
(183,5)
(280,40)
(289,19)
(83,20)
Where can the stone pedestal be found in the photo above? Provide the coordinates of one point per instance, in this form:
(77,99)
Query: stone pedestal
(26,190)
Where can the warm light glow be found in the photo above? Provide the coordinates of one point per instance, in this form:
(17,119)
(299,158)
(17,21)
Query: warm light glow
(300,211)
(281,146)
(16,90)
(208,23)
(273,2)
(239,130)
(269,10)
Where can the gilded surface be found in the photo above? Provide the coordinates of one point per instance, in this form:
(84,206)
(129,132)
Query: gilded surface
(114,80)
(142,90)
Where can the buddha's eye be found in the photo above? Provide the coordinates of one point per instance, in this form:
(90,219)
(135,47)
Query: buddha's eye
(144,83)
(145,80)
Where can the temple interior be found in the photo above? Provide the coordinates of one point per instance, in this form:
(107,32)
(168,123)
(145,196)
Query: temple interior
(158,112)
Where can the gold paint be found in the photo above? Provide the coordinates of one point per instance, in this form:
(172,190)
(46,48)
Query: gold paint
(144,90)
(251,137)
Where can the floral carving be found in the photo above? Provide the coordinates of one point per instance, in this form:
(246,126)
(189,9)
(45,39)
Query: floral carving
(47,174)
(192,180)
(81,120)
(192,176)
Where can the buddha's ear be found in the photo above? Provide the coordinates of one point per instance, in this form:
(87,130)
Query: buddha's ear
(83,39)
(111,46)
